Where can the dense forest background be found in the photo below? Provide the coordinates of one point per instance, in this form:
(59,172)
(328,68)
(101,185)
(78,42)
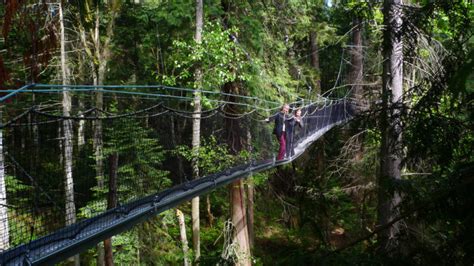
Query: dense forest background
(394,185)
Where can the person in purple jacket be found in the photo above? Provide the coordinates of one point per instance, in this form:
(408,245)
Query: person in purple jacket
(280,129)
(291,125)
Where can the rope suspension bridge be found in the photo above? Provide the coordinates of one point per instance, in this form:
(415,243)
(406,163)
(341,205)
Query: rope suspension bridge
(145,127)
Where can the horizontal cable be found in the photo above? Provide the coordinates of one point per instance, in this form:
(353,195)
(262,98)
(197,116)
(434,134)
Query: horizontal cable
(154,87)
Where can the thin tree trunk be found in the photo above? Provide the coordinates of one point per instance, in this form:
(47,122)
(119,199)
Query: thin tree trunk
(33,135)
(111,203)
(357,68)
(99,104)
(67,131)
(4,228)
(210,217)
(319,158)
(174,141)
(80,130)
(356,74)
(391,146)
(97,124)
(61,146)
(250,196)
(315,57)
(184,239)
(97,143)
(197,134)
(237,192)
(82,62)
(99,65)
(81,140)
(250,210)
(240,223)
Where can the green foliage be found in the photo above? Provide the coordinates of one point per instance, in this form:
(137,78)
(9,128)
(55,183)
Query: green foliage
(159,240)
(139,174)
(14,185)
(212,157)
(140,157)
(218,56)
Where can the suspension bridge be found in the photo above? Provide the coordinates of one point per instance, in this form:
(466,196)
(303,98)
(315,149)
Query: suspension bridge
(35,228)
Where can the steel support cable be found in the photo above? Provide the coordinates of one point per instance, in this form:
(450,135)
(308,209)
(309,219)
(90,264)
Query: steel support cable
(161,105)
(36,123)
(105,88)
(114,115)
(14,92)
(16,118)
(14,124)
(315,110)
(98,117)
(305,112)
(233,115)
(242,104)
(154,95)
(202,117)
(93,87)
(143,94)
(190,112)
(153,115)
(110,116)
(93,109)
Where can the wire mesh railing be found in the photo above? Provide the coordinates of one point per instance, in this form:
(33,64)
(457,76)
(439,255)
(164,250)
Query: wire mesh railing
(130,160)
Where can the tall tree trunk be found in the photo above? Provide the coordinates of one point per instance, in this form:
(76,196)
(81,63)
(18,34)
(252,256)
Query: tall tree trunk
(97,124)
(67,131)
(99,102)
(315,57)
(250,196)
(81,140)
(98,151)
(82,61)
(356,74)
(196,143)
(357,68)
(237,192)
(4,228)
(100,53)
(175,136)
(184,239)
(319,156)
(391,146)
(210,216)
(111,203)
(250,211)
(33,134)
(239,220)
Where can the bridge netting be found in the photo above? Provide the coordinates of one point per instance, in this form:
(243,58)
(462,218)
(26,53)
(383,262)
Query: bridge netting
(131,158)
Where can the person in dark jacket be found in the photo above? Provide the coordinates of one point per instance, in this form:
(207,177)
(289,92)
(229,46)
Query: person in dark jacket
(280,129)
(291,124)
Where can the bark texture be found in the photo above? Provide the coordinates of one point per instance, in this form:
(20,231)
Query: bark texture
(67,131)
(391,146)
(4,228)
(196,138)
(182,234)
